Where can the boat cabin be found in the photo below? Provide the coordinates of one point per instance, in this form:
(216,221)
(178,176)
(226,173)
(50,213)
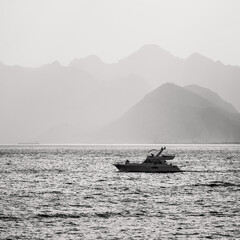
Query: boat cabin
(154,159)
(159,158)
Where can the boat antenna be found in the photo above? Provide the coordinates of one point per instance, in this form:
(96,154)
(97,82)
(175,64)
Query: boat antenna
(161,150)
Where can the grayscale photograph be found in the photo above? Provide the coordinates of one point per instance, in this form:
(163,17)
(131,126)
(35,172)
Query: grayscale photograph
(119,119)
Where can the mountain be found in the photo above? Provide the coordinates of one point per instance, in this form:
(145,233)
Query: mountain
(88,94)
(158,66)
(212,97)
(151,62)
(173,114)
(34,100)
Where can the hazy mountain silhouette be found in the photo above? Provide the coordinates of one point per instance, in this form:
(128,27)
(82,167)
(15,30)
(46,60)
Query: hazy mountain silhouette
(151,62)
(53,99)
(212,97)
(172,114)
(158,66)
(34,100)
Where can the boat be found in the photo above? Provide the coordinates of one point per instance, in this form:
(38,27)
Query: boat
(153,164)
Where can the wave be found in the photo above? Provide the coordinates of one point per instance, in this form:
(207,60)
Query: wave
(78,215)
(61,215)
(80,205)
(8,218)
(211,171)
(106,215)
(32,170)
(217,184)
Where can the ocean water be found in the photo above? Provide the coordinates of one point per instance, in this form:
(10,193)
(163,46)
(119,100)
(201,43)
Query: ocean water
(74,192)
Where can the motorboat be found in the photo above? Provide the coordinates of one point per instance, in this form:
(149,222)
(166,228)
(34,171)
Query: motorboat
(153,163)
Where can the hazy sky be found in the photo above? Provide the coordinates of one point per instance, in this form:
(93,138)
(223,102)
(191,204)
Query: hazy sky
(35,32)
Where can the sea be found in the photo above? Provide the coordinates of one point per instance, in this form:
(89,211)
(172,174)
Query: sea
(75,192)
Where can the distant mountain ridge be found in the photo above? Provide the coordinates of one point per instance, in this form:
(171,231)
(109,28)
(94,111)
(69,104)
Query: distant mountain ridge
(158,66)
(212,97)
(172,114)
(89,93)
(35,100)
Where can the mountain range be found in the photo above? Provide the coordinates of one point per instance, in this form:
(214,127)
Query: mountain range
(173,114)
(91,101)
(33,101)
(157,66)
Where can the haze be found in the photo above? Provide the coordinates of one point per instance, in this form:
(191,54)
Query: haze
(33,33)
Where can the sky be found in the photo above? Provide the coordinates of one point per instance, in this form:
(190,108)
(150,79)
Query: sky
(36,32)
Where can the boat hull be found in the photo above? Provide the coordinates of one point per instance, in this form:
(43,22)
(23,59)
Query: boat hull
(151,168)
